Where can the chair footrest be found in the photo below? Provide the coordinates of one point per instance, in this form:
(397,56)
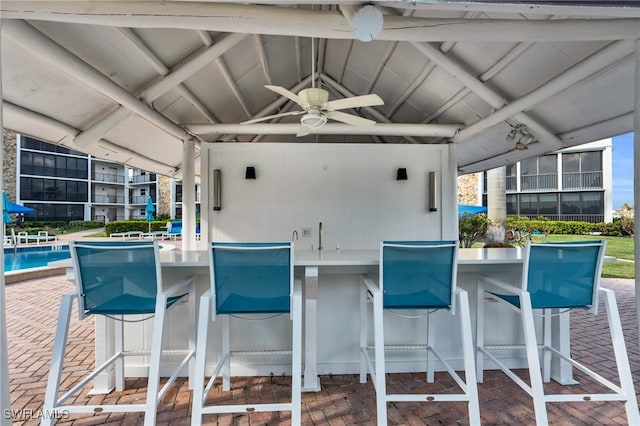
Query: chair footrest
(402,347)
(427,397)
(261,353)
(507,347)
(246,408)
(166,352)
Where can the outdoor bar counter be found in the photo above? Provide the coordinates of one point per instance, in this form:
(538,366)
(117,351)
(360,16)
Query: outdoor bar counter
(331,291)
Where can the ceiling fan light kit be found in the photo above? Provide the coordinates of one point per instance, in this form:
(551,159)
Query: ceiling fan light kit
(313,120)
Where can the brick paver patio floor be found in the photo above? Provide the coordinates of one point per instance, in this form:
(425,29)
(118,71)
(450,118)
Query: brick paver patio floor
(32,308)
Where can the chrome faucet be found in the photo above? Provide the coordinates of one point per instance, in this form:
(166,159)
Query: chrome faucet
(320,236)
(294,235)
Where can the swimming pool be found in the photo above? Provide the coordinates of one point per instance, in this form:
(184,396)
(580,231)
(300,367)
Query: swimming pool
(33,257)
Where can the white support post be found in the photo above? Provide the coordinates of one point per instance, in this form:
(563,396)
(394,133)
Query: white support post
(188,196)
(636,172)
(5,400)
(311,381)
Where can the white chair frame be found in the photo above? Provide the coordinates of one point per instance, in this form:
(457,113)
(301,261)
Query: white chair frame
(55,404)
(207,315)
(542,374)
(376,368)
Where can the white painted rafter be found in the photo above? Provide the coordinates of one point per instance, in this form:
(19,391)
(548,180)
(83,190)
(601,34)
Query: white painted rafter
(36,42)
(615,52)
(266,19)
(102,127)
(380,129)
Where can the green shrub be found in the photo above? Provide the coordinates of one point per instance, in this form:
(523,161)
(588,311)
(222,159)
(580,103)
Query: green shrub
(85,224)
(546,226)
(620,227)
(472,228)
(45,224)
(133,225)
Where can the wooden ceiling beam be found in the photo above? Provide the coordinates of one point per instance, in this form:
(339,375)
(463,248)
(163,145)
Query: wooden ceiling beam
(275,20)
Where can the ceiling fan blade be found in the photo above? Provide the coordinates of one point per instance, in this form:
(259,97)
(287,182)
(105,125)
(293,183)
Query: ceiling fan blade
(350,119)
(303,131)
(354,102)
(269,117)
(287,94)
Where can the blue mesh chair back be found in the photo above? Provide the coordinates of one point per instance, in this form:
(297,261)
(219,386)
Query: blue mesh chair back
(564,275)
(116,278)
(418,274)
(252,277)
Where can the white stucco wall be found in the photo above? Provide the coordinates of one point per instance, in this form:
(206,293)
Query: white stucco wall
(352,189)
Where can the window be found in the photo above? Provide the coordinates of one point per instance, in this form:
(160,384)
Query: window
(64,212)
(582,203)
(178,193)
(43,164)
(534,205)
(512,204)
(511,183)
(539,173)
(582,170)
(53,189)
(30,143)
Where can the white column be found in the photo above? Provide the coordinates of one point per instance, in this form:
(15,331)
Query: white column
(636,173)
(496,203)
(205,201)
(5,400)
(188,195)
(607,181)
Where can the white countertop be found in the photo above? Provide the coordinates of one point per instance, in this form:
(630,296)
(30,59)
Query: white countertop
(343,257)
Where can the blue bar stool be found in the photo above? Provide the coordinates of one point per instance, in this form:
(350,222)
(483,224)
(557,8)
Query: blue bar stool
(254,280)
(416,276)
(117,280)
(557,278)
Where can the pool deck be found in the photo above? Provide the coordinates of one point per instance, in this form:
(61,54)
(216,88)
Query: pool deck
(32,314)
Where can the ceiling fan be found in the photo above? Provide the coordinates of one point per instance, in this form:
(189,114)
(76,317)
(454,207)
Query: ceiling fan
(317,108)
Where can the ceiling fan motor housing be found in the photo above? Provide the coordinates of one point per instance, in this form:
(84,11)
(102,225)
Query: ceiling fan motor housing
(314,96)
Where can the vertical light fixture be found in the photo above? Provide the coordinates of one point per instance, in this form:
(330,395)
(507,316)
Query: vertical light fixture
(433,192)
(217,189)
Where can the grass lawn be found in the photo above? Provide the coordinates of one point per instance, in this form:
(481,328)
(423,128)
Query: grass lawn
(619,247)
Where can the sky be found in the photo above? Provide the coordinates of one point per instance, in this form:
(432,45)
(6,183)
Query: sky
(622,170)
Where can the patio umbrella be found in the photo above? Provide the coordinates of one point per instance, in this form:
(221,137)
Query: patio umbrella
(150,211)
(6,209)
(12,207)
(470,210)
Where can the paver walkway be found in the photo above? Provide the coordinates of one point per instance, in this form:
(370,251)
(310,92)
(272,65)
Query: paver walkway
(32,313)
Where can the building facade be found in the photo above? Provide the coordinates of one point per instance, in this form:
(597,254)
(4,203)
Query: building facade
(574,184)
(62,184)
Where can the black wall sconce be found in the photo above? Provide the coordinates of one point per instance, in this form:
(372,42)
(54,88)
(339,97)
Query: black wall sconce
(401,174)
(433,192)
(217,189)
(250,172)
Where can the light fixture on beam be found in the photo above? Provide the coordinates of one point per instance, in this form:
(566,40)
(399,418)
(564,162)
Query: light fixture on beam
(367,22)
(521,136)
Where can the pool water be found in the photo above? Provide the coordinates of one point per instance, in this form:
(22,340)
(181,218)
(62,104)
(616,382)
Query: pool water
(33,257)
